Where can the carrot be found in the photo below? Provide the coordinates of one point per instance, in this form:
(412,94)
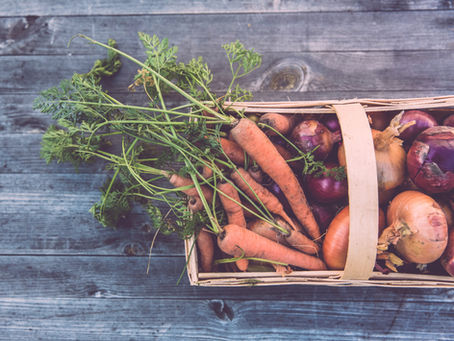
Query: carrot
(235,240)
(180,181)
(267,230)
(282,123)
(293,238)
(232,150)
(230,200)
(258,146)
(205,248)
(257,192)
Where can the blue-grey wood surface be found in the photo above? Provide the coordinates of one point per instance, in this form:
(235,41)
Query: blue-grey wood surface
(63,277)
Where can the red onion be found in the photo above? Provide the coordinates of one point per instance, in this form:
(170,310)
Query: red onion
(430,160)
(422,119)
(276,190)
(324,214)
(332,123)
(379,120)
(447,259)
(326,188)
(449,121)
(311,134)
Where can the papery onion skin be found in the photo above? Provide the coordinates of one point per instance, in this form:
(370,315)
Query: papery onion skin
(422,224)
(390,157)
(311,134)
(335,244)
(430,160)
(423,120)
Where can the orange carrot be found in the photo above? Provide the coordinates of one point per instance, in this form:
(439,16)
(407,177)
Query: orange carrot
(281,122)
(267,230)
(293,238)
(257,192)
(230,200)
(259,147)
(205,248)
(232,150)
(236,240)
(180,181)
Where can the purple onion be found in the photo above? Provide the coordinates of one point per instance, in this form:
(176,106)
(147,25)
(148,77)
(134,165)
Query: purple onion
(332,123)
(323,214)
(449,121)
(311,134)
(276,190)
(326,189)
(422,119)
(447,259)
(430,160)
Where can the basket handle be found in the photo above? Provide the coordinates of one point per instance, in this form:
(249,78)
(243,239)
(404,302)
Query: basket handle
(362,191)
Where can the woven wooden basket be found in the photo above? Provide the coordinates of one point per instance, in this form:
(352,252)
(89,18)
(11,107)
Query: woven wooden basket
(363,199)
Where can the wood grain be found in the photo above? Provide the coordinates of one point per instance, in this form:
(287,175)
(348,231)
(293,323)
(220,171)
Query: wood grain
(65,277)
(203,34)
(162,7)
(346,71)
(53,210)
(222,319)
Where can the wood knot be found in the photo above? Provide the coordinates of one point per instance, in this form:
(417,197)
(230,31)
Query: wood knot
(221,309)
(287,75)
(133,249)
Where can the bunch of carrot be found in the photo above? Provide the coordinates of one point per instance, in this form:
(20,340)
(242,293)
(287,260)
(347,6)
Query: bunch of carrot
(257,228)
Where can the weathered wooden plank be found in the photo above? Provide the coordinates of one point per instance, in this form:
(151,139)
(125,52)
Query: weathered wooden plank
(178,319)
(320,72)
(81,276)
(49,214)
(195,34)
(116,7)
(20,154)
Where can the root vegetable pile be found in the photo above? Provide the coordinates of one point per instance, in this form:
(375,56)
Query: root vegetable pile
(254,190)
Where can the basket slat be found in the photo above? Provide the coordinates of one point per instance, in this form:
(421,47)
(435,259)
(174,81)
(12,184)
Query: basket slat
(362,190)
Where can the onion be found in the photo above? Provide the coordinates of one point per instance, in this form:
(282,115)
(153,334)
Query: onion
(422,119)
(449,121)
(326,188)
(379,120)
(276,190)
(417,228)
(311,134)
(323,214)
(430,160)
(447,210)
(335,245)
(332,123)
(447,259)
(389,155)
